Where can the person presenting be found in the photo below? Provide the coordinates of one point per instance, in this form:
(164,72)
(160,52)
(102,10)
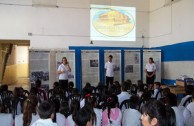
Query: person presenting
(109,67)
(150,70)
(63,71)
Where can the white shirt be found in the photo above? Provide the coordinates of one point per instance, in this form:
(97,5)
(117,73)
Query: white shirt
(189,121)
(60,119)
(98,113)
(179,116)
(139,93)
(189,110)
(19,119)
(69,121)
(63,76)
(123,96)
(44,122)
(82,103)
(183,100)
(6,119)
(115,117)
(156,91)
(150,67)
(109,66)
(131,117)
(19,108)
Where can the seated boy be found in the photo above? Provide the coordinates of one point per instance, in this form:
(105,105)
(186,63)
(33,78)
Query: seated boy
(46,112)
(157,91)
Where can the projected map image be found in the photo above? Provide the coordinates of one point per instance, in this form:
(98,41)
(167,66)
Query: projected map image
(112,23)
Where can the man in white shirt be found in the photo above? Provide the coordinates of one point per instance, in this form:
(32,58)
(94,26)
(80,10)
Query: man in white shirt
(63,71)
(109,67)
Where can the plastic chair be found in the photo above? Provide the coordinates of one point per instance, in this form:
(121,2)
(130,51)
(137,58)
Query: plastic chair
(125,104)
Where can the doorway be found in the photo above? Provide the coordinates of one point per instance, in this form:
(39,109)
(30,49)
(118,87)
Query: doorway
(14,63)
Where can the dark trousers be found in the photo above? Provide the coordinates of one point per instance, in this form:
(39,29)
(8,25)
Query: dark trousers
(63,84)
(109,80)
(150,80)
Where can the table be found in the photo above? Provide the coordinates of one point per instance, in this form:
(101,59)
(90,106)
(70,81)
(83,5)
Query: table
(175,89)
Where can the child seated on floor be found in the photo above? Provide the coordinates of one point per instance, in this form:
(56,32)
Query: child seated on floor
(157,91)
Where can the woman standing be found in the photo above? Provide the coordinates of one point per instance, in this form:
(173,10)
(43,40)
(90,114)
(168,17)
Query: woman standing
(63,71)
(150,70)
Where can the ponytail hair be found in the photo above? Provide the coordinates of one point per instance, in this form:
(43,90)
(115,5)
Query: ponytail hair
(90,102)
(111,103)
(29,108)
(75,106)
(151,59)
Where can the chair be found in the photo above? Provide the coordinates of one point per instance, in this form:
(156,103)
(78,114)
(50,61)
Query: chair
(6,97)
(25,93)
(7,102)
(50,93)
(17,105)
(93,89)
(187,101)
(145,87)
(68,92)
(75,97)
(41,95)
(134,89)
(100,89)
(65,109)
(125,104)
(101,105)
(146,96)
(6,94)
(157,95)
(97,96)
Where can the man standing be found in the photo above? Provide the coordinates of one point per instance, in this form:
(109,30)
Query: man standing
(109,67)
(63,71)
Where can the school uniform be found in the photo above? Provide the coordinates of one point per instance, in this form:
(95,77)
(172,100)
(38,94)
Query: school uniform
(19,119)
(131,117)
(115,117)
(44,122)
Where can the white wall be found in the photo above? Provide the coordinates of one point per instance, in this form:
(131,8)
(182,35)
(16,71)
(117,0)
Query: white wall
(173,72)
(171,24)
(22,55)
(67,25)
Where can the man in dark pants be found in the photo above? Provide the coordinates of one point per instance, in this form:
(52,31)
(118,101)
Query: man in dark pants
(109,67)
